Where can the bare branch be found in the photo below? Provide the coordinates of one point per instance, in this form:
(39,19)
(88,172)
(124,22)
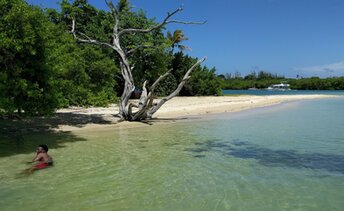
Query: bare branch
(143,105)
(150,96)
(87,39)
(130,108)
(185,22)
(180,86)
(143,97)
(114,13)
(73,27)
(185,78)
(169,15)
(163,23)
(159,79)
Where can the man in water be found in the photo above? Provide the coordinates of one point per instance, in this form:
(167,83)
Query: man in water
(42,158)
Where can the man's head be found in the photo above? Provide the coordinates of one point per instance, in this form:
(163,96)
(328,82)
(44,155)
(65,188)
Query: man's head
(42,148)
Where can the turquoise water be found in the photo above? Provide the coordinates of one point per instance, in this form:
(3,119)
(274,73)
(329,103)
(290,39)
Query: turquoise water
(289,92)
(284,157)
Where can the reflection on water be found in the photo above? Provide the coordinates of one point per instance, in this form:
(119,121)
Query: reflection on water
(253,161)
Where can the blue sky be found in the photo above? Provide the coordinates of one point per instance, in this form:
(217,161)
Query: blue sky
(287,37)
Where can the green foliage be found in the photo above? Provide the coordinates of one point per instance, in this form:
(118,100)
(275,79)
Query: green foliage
(26,80)
(150,65)
(315,83)
(151,62)
(89,20)
(123,6)
(167,86)
(43,68)
(176,38)
(261,80)
(83,73)
(264,79)
(202,82)
(263,75)
(86,74)
(180,64)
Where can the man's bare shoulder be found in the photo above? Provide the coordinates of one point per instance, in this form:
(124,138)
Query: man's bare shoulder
(43,157)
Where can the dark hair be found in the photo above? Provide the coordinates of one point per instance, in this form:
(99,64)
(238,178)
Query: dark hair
(45,147)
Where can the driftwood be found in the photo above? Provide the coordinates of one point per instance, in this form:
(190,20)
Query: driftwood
(146,107)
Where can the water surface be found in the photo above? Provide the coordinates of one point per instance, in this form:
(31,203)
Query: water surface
(284,157)
(286,92)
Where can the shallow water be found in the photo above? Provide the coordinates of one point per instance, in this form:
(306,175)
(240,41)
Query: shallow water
(285,92)
(285,157)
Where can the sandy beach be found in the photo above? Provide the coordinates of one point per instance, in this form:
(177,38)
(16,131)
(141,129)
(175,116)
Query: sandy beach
(177,108)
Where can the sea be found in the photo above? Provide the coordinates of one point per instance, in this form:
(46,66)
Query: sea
(261,92)
(282,157)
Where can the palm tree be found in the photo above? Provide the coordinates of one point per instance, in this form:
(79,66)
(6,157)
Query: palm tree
(176,39)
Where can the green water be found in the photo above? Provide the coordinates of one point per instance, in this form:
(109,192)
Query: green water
(246,161)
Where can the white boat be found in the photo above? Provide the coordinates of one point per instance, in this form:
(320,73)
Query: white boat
(279,87)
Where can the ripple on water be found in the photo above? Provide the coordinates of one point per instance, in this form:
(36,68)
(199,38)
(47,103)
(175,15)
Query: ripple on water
(205,165)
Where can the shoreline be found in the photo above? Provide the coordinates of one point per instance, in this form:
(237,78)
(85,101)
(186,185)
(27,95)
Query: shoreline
(177,109)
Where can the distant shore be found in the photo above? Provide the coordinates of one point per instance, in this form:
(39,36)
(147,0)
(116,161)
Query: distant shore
(178,108)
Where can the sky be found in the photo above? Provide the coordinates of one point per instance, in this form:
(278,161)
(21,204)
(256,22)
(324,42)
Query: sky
(285,37)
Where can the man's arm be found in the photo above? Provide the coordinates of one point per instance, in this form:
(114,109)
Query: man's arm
(37,157)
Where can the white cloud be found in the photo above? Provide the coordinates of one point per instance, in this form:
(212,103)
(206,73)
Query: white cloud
(328,70)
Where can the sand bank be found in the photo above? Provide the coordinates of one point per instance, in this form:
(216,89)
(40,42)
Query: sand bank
(180,107)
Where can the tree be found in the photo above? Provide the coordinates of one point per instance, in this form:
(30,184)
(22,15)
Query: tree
(26,80)
(251,76)
(202,82)
(85,75)
(146,107)
(175,39)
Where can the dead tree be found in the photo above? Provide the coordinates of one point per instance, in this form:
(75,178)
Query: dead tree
(146,107)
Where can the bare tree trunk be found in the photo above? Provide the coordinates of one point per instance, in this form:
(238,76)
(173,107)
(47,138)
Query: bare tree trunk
(129,87)
(146,107)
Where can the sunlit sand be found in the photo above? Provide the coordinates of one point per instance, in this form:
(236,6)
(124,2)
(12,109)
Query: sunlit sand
(186,107)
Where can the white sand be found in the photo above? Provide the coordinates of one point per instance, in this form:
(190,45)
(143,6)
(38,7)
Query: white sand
(188,106)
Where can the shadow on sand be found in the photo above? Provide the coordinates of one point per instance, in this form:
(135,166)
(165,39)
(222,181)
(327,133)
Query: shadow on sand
(20,136)
(271,157)
(23,135)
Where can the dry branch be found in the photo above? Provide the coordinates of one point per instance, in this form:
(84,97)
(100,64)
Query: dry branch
(176,92)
